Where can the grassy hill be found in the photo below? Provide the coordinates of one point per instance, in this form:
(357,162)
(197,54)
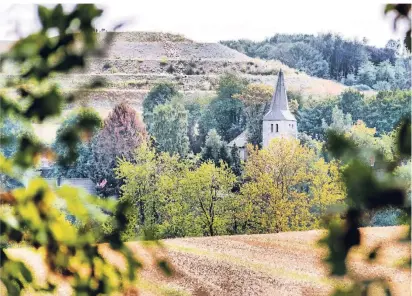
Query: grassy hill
(136,61)
(287,263)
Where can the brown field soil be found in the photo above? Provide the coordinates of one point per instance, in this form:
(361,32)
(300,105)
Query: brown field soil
(288,263)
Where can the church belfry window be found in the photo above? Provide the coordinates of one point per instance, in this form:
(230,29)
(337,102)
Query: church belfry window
(271,128)
(277,128)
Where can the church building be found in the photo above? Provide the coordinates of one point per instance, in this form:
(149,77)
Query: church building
(278,122)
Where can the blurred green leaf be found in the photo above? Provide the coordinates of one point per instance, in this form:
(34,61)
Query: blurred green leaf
(165,267)
(44,15)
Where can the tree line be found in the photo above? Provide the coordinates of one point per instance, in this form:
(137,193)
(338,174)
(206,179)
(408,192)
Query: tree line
(178,142)
(331,56)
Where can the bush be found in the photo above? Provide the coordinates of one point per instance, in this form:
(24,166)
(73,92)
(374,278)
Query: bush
(349,80)
(106,66)
(387,217)
(189,71)
(170,69)
(163,61)
(81,167)
(362,87)
(382,85)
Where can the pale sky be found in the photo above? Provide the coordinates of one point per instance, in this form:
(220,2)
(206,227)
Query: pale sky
(214,20)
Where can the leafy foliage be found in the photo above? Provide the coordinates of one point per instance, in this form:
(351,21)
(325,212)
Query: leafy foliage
(121,134)
(70,255)
(225,113)
(325,55)
(256,99)
(288,187)
(370,187)
(230,84)
(236,164)
(82,167)
(215,149)
(402,13)
(340,122)
(383,76)
(383,111)
(170,128)
(11,132)
(226,116)
(160,94)
(172,196)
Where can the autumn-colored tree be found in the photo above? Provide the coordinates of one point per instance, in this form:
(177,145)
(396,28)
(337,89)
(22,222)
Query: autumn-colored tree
(283,189)
(121,134)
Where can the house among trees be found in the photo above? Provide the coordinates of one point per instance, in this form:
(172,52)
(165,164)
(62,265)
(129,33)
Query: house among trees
(45,170)
(240,143)
(278,122)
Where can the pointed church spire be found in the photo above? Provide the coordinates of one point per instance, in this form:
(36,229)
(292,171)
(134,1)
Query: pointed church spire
(279,107)
(280,99)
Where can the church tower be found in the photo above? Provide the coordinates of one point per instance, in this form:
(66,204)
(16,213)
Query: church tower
(279,121)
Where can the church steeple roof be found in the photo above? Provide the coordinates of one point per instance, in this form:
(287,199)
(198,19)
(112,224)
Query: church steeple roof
(279,108)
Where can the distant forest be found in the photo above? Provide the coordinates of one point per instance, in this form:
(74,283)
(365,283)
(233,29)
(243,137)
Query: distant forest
(331,56)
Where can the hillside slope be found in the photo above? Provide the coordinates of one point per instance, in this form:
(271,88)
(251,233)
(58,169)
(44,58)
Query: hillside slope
(136,61)
(287,263)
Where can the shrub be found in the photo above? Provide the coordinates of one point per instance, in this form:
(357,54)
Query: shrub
(114,70)
(349,80)
(163,61)
(362,87)
(387,217)
(137,83)
(382,85)
(189,71)
(170,69)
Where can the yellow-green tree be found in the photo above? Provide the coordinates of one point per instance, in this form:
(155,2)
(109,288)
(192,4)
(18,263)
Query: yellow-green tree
(326,188)
(207,191)
(173,197)
(284,189)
